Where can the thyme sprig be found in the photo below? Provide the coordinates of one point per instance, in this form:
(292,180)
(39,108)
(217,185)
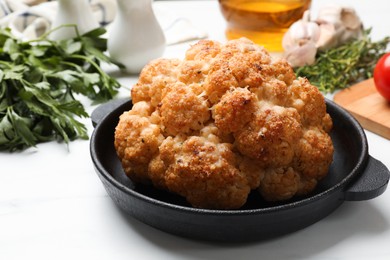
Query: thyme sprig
(339,67)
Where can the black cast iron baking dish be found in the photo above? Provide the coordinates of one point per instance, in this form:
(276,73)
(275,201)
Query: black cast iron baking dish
(354,175)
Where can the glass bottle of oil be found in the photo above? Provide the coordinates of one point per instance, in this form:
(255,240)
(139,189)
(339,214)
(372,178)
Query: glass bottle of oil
(262,21)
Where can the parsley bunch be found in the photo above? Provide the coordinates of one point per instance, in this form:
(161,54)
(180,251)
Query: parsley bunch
(38,83)
(339,67)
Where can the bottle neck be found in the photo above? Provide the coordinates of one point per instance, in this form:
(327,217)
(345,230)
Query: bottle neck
(73,5)
(126,5)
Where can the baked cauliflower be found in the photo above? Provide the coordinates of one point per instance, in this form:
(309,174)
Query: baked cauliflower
(226,120)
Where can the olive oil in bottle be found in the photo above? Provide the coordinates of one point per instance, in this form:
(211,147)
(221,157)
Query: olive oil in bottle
(262,21)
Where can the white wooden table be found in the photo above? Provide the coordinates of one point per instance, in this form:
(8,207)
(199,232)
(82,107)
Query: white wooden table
(53,206)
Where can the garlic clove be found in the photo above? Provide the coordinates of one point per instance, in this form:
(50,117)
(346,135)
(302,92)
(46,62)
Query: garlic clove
(294,33)
(327,37)
(301,55)
(339,16)
(299,33)
(350,19)
(330,14)
(338,24)
(313,31)
(351,34)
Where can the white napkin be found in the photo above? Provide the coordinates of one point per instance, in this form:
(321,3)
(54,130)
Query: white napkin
(28,19)
(177,29)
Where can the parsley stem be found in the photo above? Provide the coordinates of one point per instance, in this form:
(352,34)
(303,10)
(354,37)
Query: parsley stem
(89,60)
(46,34)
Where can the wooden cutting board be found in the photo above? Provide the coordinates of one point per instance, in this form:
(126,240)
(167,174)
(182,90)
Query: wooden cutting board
(365,103)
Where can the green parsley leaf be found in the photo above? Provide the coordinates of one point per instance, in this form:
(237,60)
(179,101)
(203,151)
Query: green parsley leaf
(39,80)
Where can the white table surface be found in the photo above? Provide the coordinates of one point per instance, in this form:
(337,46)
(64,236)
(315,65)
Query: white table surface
(53,205)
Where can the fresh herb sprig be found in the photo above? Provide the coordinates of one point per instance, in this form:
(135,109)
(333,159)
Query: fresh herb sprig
(339,67)
(39,81)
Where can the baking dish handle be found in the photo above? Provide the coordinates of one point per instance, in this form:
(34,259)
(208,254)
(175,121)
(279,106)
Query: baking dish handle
(101,111)
(371,183)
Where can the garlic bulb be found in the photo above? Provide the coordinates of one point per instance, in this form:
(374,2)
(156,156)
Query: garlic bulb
(333,26)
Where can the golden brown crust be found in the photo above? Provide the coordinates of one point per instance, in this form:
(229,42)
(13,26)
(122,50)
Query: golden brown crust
(226,120)
(204,50)
(182,111)
(271,136)
(235,109)
(137,141)
(205,174)
(279,184)
(154,78)
(314,154)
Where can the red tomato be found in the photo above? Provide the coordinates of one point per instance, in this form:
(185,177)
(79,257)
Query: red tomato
(382,76)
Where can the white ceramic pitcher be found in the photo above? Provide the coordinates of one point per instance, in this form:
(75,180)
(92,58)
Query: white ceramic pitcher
(135,36)
(77,12)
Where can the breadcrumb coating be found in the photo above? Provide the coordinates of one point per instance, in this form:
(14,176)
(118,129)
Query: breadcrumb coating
(137,141)
(182,111)
(236,108)
(226,120)
(204,172)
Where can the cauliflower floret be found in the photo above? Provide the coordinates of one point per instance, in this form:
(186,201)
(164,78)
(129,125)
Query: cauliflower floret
(182,110)
(219,80)
(235,110)
(155,77)
(239,64)
(201,170)
(308,101)
(193,72)
(314,153)
(271,136)
(280,69)
(274,91)
(279,184)
(225,121)
(156,172)
(245,64)
(253,171)
(137,141)
(204,50)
